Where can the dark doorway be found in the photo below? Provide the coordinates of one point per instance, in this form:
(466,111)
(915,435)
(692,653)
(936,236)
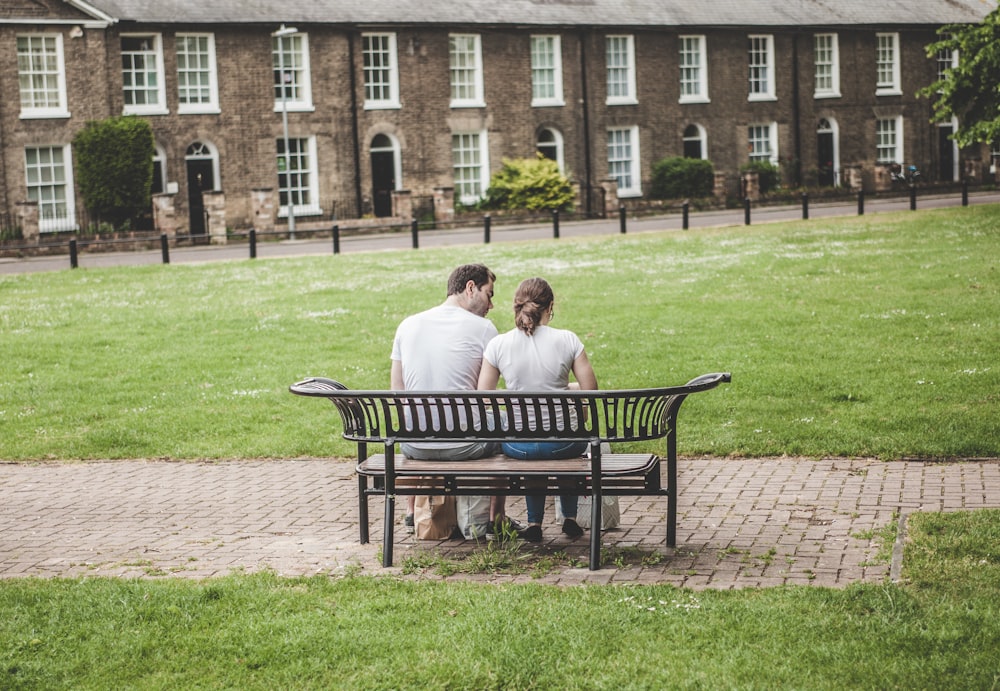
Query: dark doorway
(946,154)
(383,175)
(692,142)
(199,178)
(824,159)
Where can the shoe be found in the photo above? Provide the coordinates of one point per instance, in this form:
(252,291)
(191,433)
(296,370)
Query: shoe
(408,522)
(502,528)
(572,528)
(533,533)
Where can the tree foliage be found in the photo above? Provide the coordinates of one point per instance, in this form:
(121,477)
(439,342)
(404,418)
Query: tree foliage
(677,178)
(529,183)
(969,91)
(114,168)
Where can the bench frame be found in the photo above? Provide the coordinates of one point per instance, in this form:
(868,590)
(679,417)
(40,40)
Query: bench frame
(386,418)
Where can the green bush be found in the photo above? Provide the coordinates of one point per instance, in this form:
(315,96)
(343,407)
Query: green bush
(529,183)
(114,168)
(677,177)
(768,174)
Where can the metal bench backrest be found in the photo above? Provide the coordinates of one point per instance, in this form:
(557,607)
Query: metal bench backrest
(408,416)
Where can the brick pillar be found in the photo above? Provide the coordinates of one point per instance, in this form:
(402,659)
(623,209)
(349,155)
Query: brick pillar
(215,207)
(27,218)
(720,187)
(402,204)
(883,177)
(851,178)
(262,205)
(164,216)
(610,188)
(444,204)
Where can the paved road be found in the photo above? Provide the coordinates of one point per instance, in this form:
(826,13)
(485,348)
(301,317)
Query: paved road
(382,241)
(742,523)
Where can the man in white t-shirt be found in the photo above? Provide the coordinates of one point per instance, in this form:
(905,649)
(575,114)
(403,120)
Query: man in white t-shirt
(441,349)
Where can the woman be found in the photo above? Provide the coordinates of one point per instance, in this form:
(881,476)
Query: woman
(535,356)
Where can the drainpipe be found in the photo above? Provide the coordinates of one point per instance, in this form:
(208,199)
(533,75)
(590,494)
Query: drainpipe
(587,172)
(796,111)
(351,35)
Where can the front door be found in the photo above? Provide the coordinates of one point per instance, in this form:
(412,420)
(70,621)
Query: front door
(383,182)
(946,154)
(824,159)
(200,178)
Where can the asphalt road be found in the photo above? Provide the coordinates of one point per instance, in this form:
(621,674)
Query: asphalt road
(402,240)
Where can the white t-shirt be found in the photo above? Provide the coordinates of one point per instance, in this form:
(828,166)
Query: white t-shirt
(540,362)
(441,349)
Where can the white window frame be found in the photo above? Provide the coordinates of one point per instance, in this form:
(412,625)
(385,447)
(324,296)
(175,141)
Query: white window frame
(619,56)
(207,71)
(556,144)
(826,64)
(35,65)
(760,75)
(298,90)
(946,60)
(465,70)
(693,60)
(770,138)
(52,188)
(381,71)
(883,130)
(471,175)
(546,70)
(624,160)
(156,72)
(309,207)
(887,65)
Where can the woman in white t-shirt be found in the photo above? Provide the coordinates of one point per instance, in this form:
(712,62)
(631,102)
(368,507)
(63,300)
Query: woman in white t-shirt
(535,356)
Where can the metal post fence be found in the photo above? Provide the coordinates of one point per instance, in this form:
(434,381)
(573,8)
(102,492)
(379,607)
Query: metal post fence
(685,209)
(746,210)
(73,262)
(965,192)
(913,197)
(164,248)
(253,243)
(336,239)
(805,206)
(414,230)
(861,203)
(555,223)
(621,219)
(486,228)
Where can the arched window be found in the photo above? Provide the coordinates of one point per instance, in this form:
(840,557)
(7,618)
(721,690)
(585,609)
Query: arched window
(694,142)
(159,170)
(550,145)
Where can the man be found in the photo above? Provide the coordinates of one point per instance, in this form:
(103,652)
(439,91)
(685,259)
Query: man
(441,349)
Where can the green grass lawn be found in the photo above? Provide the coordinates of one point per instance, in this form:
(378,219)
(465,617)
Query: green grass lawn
(871,336)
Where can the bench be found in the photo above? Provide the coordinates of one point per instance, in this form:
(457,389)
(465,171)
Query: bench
(383,419)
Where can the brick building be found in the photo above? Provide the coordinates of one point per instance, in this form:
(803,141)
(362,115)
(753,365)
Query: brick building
(394,100)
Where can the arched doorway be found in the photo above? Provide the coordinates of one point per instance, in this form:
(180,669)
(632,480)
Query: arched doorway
(550,145)
(384,155)
(827,155)
(694,141)
(201,163)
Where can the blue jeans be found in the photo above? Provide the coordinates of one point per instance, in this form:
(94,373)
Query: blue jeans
(545,450)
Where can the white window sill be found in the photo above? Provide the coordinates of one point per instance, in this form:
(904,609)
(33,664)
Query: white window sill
(382,105)
(548,103)
(44,114)
(198,110)
(761,97)
(826,94)
(156,110)
(467,104)
(622,102)
(694,99)
(629,194)
(888,92)
(294,107)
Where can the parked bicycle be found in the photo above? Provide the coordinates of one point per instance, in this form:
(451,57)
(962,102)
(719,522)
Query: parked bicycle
(909,176)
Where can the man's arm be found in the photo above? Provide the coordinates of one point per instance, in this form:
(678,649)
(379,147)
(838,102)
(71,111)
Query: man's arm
(396,376)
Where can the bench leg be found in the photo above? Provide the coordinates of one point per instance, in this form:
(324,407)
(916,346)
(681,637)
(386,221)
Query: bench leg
(390,513)
(672,502)
(363,508)
(595,536)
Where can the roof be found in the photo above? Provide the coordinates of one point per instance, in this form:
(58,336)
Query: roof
(569,13)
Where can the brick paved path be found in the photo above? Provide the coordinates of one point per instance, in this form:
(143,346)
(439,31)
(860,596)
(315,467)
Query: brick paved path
(742,522)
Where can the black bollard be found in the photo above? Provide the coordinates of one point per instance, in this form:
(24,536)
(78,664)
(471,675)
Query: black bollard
(336,239)
(913,197)
(164,248)
(486,228)
(414,230)
(746,210)
(685,208)
(555,223)
(805,206)
(73,263)
(253,243)
(621,219)
(861,203)
(965,192)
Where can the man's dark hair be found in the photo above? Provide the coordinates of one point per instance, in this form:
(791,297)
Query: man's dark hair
(461,276)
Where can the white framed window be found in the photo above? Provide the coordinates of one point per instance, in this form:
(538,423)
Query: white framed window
(159,170)
(826,59)
(49,178)
(694,69)
(142,74)
(546,71)
(197,80)
(550,145)
(623,160)
(298,180)
(470,166)
(761,67)
(620,62)
(381,71)
(946,60)
(695,141)
(465,63)
(762,142)
(41,76)
(887,65)
(292,80)
(889,140)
